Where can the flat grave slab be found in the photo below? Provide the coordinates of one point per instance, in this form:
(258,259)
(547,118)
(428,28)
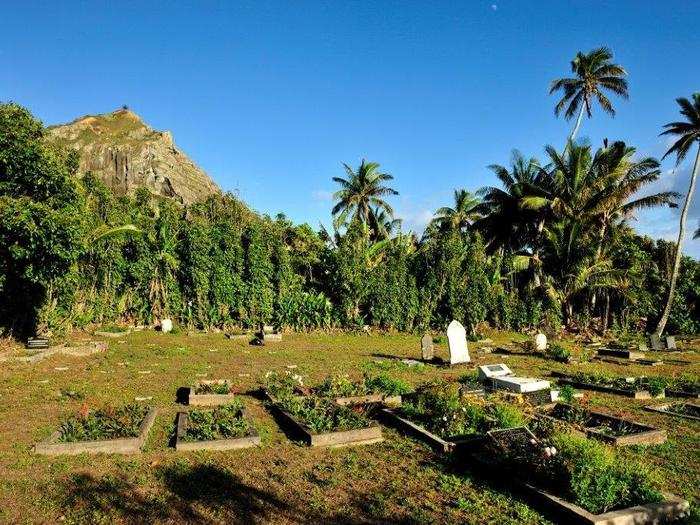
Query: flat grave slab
(52,447)
(520,385)
(621,353)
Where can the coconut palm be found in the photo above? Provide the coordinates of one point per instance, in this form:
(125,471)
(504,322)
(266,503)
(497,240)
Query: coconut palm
(689,133)
(382,225)
(594,72)
(462,215)
(696,235)
(361,192)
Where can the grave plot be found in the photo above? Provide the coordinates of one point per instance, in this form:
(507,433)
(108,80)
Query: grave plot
(621,353)
(635,387)
(603,427)
(551,471)
(320,422)
(686,410)
(211,393)
(121,430)
(499,377)
(683,388)
(439,415)
(226,427)
(379,388)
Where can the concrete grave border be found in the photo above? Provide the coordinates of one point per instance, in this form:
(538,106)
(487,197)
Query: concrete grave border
(52,447)
(209,399)
(643,435)
(341,438)
(662,409)
(635,394)
(251,440)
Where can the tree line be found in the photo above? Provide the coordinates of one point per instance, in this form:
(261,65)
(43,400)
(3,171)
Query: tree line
(549,247)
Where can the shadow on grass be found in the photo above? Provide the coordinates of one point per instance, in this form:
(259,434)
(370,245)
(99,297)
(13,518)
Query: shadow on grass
(202,494)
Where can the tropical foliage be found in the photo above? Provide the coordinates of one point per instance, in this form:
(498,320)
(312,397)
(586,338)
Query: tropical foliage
(549,246)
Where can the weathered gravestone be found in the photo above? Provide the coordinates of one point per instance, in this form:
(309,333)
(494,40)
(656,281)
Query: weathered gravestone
(427,349)
(457,343)
(166,325)
(540,342)
(671,343)
(656,345)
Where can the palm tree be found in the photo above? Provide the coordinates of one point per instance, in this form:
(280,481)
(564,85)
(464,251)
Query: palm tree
(462,216)
(689,133)
(360,192)
(696,235)
(594,72)
(382,225)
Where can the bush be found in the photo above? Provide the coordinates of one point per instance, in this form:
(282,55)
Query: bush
(223,422)
(598,480)
(558,352)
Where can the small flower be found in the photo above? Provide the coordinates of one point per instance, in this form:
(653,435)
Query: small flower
(554,451)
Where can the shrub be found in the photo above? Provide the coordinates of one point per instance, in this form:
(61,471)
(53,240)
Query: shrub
(598,480)
(558,352)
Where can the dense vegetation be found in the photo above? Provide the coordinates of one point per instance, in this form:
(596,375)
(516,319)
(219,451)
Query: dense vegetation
(550,247)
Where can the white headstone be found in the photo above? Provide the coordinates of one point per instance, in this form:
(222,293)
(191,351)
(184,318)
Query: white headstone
(166,325)
(457,343)
(521,385)
(540,342)
(489,371)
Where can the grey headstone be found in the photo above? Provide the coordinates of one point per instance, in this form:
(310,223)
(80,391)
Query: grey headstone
(656,345)
(427,349)
(671,343)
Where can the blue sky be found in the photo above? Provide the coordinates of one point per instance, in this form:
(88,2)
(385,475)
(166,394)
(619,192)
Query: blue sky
(270,97)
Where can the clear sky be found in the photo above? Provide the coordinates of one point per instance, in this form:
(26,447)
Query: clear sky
(270,97)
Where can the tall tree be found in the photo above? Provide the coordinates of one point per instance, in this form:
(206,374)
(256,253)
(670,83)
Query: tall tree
(362,192)
(462,215)
(689,133)
(594,72)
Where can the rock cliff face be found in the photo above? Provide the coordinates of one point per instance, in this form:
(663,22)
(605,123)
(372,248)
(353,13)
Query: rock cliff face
(125,153)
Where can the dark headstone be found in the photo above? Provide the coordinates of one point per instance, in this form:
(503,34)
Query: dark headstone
(37,343)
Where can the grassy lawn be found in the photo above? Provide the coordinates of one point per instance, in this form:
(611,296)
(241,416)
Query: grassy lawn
(397,481)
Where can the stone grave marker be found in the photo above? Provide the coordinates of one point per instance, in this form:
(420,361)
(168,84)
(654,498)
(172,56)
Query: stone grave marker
(427,349)
(540,342)
(671,343)
(166,325)
(457,343)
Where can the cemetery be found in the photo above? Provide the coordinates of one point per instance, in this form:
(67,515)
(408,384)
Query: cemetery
(469,415)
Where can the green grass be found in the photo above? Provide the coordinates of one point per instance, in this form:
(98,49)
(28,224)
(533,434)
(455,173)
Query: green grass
(280,481)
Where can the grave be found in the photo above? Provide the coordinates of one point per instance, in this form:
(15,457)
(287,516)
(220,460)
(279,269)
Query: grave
(656,344)
(36,343)
(671,343)
(166,325)
(500,377)
(540,342)
(457,343)
(427,349)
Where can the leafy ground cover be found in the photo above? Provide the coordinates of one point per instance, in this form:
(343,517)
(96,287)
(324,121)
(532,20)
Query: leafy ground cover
(397,481)
(103,423)
(221,388)
(223,422)
(655,385)
(343,386)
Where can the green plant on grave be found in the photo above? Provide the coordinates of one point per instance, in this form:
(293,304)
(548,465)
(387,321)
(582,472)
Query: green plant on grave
(558,352)
(385,384)
(224,422)
(324,415)
(567,394)
(103,423)
(656,385)
(598,480)
(282,385)
(506,415)
(213,388)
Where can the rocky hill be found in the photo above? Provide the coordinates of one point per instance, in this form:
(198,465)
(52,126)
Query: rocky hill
(127,154)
